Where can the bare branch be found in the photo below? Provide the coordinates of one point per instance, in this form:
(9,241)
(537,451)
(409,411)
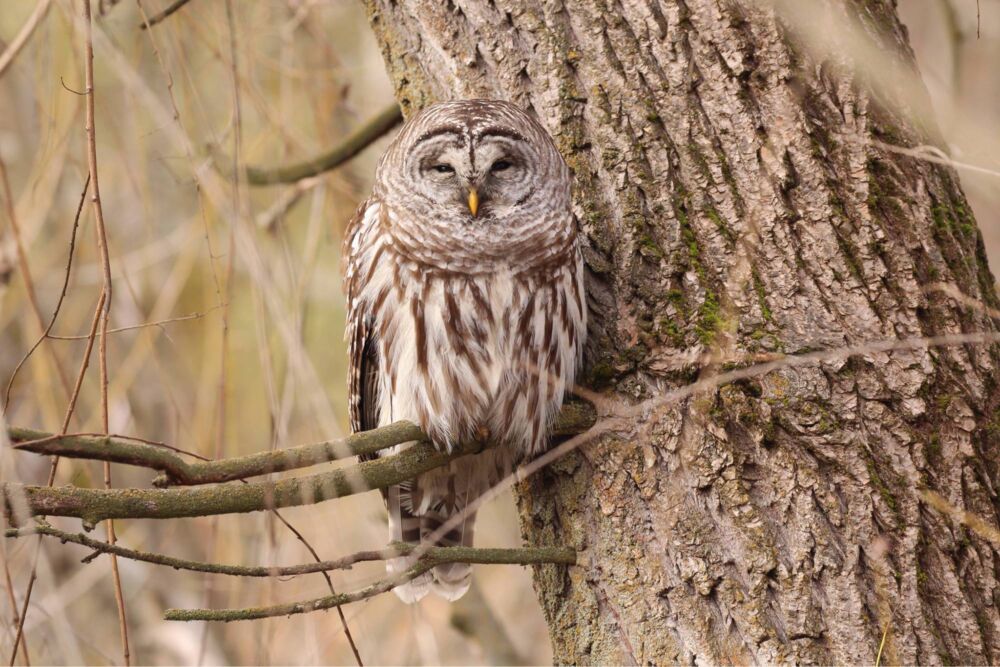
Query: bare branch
(94,505)
(432,557)
(355,142)
(102,349)
(574,418)
(62,296)
(157,18)
(179,471)
(7,57)
(463,554)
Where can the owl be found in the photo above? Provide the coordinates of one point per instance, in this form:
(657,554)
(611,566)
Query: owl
(466,315)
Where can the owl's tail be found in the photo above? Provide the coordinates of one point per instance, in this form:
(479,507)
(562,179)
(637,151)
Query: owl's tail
(404,526)
(451,580)
(416,514)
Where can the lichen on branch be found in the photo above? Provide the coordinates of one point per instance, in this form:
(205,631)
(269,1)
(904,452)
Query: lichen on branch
(431,557)
(523,556)
(94,505)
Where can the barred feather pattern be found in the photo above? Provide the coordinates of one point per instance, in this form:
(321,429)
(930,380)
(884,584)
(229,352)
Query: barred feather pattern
(470,326)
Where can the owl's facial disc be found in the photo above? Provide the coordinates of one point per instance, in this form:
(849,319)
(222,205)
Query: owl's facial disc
(484,182)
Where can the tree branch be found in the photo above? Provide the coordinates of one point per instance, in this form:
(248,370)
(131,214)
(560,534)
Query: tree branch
(356,142)
(94,505)
(574,418)
(156,18)
(523,556)
(179,471)
(10,53)
(433,556)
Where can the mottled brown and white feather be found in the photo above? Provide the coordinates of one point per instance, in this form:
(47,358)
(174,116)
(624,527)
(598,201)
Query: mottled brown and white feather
(471,327)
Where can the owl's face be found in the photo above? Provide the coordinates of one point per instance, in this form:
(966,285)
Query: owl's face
(474,180)
(479,175)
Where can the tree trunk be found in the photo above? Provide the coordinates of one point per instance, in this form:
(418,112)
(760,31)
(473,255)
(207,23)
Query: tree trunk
(738,199)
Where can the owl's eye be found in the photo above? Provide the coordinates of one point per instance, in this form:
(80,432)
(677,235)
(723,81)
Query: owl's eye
(500,165)
(443,169)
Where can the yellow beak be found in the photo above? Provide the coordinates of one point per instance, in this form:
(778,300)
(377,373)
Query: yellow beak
(473,202)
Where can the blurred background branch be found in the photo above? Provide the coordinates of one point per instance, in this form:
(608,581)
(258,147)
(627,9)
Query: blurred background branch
(353,144)
(167,11)
(22,37)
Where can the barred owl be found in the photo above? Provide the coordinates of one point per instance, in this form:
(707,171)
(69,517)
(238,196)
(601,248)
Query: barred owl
(466,311)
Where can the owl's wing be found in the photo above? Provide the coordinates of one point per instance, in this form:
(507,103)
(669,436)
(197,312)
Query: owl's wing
(364,389)
(363,350)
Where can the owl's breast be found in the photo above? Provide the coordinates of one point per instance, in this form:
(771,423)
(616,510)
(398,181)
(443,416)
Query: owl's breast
(468,356)
(447,350)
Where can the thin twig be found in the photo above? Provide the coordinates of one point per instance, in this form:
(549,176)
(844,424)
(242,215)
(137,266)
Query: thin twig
(467,554)
(25,270)
(145,325)
(963,298)
(19,634)
(157,18)
(70,410)
(10,53)
(62,295)
(12,601)
(432,557)
(934,154)
(355,142)
(976,523)
(84,364)
(781,361)
(268,220)
(102,242)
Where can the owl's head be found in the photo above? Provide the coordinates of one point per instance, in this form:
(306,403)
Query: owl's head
(480,171)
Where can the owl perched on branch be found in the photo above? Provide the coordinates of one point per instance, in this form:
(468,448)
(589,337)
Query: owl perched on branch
(466,311)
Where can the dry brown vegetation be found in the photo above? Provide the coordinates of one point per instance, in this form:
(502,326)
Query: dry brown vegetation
(308,73)
(226,316)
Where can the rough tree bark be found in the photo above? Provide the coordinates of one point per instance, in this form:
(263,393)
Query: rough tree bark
(737,199)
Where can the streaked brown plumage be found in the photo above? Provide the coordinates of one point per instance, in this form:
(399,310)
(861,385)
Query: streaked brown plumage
(465,305)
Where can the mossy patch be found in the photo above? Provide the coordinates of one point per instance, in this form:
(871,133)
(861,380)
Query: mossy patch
(884,491)
(710,319)
(720,224)
(599,375)
(883,193)
(850,255)
(758,288)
